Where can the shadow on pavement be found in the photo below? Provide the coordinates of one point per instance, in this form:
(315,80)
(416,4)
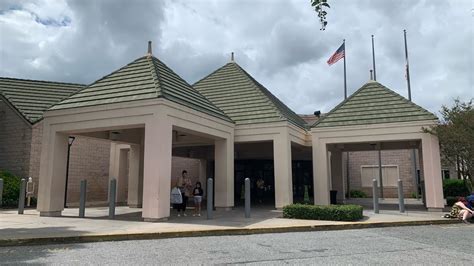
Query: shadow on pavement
(24,253)
(234,217)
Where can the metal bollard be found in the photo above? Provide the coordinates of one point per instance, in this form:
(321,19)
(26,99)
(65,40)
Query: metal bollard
(112,191)
(401,200)
(21,198)
(375,196)
(423,194)
(1,191)
(82,199)
(247,197)
(209,197)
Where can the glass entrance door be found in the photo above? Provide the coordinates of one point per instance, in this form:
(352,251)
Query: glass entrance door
(262,184)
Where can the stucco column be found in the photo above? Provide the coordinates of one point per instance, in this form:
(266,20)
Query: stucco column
(320,173)
(118,169)
(283,171)
(157,169)
(52,179)
(337,182)
(122,180)
(432,173)
(224,173)
(113,161)
(135,181)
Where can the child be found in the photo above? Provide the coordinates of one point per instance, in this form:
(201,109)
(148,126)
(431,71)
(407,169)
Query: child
(197,193)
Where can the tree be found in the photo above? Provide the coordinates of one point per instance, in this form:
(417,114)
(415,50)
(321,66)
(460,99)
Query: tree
(319,6)
(456,136)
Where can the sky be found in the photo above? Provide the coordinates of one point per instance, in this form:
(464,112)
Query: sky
(279,42)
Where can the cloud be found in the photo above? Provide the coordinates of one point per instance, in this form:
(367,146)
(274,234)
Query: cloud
(278,42)
(75,41)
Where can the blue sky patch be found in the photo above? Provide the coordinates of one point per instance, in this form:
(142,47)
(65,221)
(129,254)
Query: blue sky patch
(63,22)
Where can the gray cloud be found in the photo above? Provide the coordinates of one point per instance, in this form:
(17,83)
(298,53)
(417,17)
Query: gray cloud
(278,42)
(101,36)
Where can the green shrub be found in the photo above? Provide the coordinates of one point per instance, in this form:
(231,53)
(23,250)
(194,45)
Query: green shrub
(318,212)
(357,194)
(451,200)
(11,189)
(455,188)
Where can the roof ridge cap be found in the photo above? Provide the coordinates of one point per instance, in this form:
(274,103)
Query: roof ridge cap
(9,102)
(340,104)
(212,73)
(257,85)
(189,85)
(97,80)
(405,99)
(156,76)
(380,87)
(272,99)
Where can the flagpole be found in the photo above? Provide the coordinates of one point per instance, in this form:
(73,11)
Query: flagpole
(373,58)
(345,97)
(413,154)
(407,65)
(345,81)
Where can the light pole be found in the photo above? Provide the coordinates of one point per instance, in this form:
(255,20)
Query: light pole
(69,144)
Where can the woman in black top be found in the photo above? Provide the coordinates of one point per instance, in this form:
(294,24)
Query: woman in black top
(197,193)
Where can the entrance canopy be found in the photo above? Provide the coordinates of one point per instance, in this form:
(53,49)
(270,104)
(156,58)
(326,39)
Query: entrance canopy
(149,107)
(374,116)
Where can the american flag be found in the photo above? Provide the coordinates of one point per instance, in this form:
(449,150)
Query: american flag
(340,53)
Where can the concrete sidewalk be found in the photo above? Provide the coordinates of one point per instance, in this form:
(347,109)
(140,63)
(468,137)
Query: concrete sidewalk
(30,228)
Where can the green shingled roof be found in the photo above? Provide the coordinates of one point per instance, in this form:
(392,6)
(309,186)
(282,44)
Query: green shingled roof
(243,99)
(145,78)
(31,98)
(374,103)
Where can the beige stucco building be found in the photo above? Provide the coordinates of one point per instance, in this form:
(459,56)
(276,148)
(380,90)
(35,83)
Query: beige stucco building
(145,114)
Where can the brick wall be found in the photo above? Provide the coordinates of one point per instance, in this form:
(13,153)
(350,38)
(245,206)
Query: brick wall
(181,163)
(402,158)
(35,153)
(89,160)
(15,140)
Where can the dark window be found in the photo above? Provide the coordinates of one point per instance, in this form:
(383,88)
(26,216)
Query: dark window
(445,174)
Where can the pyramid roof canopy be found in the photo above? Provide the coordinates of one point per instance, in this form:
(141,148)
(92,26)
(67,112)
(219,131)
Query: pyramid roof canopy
(145,78)
(31,98)
(374,103)
(243,99)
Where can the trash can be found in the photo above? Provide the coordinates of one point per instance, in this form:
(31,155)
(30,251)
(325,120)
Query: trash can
(333,196)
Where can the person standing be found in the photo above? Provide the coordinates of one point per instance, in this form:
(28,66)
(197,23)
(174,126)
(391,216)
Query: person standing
(197,193)
(186,189)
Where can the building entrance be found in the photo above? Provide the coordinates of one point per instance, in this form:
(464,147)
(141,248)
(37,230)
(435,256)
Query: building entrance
(262,181)
(303,182)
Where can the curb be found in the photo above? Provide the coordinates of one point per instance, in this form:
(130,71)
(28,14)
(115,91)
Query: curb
(215,232)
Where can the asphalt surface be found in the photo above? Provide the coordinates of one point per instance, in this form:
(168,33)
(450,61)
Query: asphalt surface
(432,245)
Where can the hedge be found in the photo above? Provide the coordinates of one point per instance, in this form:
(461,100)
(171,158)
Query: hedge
(357,194)
(451,200)
(455,188)
(11,189)
(319,212)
